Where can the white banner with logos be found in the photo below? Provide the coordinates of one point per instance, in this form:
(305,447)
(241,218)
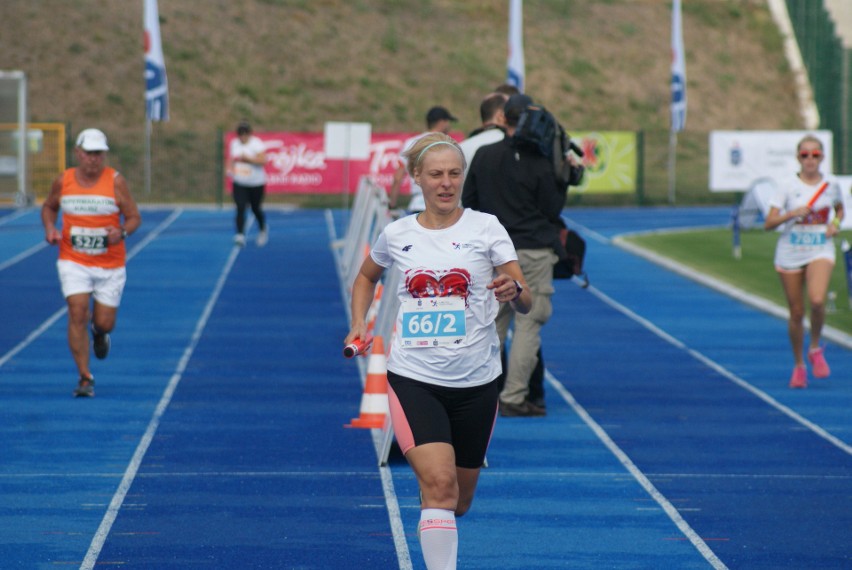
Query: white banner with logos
(739,158)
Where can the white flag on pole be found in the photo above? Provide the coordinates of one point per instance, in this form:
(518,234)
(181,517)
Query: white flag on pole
(678,71)
(515,63)
(156,85)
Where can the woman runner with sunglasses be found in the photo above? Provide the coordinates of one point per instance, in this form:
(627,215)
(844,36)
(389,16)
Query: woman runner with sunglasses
(805,253)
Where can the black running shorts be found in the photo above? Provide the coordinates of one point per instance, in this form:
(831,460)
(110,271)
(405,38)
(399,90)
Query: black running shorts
(425,413)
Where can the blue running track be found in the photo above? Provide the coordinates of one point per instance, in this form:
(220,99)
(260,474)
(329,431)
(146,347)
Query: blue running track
(216,438)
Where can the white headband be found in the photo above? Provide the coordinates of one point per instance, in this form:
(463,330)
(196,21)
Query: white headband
(422,152)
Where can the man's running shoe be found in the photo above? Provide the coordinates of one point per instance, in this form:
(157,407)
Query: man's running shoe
(240,240)
(101,343)
(799,379)
(816,356)
(85,388)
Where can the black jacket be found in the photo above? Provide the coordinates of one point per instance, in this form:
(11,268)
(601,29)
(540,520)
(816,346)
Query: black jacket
(520,187)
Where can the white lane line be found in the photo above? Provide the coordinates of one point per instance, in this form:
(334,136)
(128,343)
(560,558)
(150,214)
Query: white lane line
(136,461)
(625,460)
(15,215)
(394,514)
(23,255)
(637,474)
(724,372)
(830,333)
(374,475)
(58,314)
(834,440)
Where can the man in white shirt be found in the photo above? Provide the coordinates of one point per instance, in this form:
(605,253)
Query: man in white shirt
(438,120)
(493,125)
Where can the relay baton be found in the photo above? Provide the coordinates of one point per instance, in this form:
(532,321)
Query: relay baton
(358,347)
(817,194)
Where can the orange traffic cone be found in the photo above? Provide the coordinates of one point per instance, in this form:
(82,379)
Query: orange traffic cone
(374,401)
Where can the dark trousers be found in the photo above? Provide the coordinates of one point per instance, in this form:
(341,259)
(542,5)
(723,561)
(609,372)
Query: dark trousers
(245,195)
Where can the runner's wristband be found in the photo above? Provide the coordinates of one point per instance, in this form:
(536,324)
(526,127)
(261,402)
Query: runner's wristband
(520,290)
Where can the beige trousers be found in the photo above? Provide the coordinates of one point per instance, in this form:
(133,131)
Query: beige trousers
(537,265)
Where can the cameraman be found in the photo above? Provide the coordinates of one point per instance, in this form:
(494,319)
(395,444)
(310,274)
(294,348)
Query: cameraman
(520,186)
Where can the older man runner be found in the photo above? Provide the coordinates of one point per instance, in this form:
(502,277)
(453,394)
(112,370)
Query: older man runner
(98,213)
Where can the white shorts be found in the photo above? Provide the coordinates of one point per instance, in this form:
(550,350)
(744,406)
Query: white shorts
(105,285)
(793,254)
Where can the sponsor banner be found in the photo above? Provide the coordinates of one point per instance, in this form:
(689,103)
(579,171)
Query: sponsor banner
(740,158)
(296,163)
(610,158)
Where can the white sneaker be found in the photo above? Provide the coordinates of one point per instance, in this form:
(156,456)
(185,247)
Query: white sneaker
(262,238)
(240,239)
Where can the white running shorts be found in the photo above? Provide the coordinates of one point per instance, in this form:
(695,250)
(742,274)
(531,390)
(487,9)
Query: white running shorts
(105,285)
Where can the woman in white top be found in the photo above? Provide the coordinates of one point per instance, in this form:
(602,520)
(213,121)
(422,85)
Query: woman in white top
(457,266)
(805,254)
(246,165)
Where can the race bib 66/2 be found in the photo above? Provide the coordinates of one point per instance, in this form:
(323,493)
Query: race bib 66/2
(433,321)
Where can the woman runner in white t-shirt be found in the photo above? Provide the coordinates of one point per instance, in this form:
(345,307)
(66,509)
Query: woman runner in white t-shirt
(457,266)
(805,254)
(246,162)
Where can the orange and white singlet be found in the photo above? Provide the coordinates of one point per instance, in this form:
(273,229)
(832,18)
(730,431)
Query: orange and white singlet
(86,213)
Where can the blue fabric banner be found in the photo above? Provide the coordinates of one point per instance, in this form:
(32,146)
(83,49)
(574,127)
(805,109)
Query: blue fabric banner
(515,64)
(156,85)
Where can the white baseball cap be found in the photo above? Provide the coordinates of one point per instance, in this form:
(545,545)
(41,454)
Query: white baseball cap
(92,140)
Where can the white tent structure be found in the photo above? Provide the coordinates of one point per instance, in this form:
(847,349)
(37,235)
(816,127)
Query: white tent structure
(754,206)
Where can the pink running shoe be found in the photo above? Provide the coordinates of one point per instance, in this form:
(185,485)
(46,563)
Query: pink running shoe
(816,357)
(799,379)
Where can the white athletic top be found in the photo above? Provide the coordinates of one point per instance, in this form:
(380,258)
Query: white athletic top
(803,241)
(246,173)
(459,262)
(417,202)
(470,145)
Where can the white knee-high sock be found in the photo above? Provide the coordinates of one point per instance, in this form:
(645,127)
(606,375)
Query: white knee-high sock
(439,539)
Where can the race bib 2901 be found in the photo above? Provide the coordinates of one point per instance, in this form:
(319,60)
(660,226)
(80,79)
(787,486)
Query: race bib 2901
(808,236)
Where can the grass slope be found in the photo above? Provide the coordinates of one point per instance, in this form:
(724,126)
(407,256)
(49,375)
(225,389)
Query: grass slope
(295,64)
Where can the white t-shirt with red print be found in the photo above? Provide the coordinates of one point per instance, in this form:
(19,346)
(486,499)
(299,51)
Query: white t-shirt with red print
(803,241)
(447,269)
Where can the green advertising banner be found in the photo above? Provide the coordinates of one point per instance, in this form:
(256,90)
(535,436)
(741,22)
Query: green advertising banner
(610,160)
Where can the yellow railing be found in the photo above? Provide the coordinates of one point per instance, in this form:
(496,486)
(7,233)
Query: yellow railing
(46,145)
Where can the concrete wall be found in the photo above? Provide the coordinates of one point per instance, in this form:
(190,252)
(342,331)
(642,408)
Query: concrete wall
(841,13)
